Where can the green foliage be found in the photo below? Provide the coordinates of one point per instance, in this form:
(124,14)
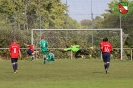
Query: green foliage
(73,24)
(28,13)
(86,23)
(98,22)
(95,23)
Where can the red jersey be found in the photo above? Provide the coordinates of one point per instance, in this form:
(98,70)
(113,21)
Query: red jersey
(106,47)
(31,47)
(14,50)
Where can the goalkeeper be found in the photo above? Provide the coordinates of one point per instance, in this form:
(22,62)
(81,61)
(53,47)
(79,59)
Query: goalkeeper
(75,48)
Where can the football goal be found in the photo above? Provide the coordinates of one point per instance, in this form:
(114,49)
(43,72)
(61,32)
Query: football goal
(59,39)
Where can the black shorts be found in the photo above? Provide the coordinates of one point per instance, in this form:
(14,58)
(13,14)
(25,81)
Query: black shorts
(13,60)
(106,57)
(29,52)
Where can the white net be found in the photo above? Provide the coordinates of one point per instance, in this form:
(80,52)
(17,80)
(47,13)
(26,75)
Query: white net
(59,39)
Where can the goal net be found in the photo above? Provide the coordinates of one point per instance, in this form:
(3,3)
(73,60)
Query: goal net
(59,39)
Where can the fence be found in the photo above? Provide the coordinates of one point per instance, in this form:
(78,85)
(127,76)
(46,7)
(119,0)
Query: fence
(4,54)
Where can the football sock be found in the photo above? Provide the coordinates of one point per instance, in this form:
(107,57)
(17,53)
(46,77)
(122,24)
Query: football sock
(44,58)
(32,58)
(13,67)
(16,67)
(107,65)
(44,61)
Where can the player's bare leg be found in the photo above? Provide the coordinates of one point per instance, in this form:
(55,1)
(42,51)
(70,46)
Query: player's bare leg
(44,57)
(32,57)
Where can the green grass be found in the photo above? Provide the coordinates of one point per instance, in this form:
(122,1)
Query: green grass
(66,73)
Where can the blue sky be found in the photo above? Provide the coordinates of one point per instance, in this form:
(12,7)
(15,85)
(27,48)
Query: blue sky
(81,9)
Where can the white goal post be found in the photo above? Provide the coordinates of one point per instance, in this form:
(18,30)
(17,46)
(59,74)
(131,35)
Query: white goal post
(86,35)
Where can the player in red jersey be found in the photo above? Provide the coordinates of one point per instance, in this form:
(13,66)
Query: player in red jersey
(30,50)
(14,50)
(106,48)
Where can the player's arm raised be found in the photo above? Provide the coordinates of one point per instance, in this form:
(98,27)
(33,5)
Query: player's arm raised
(26,44)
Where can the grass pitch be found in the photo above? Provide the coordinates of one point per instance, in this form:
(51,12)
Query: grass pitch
(66,73)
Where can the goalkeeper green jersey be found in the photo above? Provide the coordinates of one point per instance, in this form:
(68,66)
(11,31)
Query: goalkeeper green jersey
(74,48)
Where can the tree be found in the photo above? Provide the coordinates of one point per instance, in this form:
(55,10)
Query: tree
(30,14)
(86,23)
(98,22)
(73,24)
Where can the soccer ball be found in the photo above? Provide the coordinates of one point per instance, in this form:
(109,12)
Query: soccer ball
(91,48)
